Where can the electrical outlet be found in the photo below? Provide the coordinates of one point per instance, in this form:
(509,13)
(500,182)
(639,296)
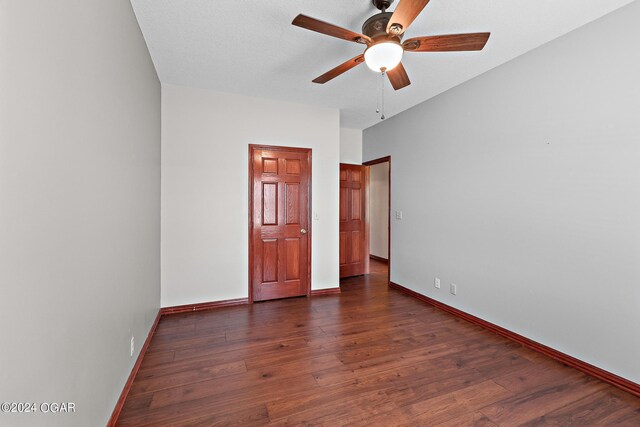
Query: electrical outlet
(436,283)
(133,346)
(398,214)
(453,289)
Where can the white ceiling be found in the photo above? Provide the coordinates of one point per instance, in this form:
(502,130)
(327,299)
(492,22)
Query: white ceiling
(249,47)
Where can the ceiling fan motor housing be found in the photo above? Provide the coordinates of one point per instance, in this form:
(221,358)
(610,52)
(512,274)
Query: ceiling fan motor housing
(376,27)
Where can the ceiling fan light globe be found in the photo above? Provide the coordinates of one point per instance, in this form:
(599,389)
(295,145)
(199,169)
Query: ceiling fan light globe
(383,56)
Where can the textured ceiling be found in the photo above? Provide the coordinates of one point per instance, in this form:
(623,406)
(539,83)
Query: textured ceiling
(249,47)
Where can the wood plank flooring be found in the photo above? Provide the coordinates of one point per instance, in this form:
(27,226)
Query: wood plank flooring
(367,357)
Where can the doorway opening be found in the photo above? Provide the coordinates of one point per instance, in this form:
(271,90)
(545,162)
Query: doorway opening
(365,221)
(379,206)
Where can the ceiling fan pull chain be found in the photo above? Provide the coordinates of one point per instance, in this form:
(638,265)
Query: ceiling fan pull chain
(382,76)
(378,96)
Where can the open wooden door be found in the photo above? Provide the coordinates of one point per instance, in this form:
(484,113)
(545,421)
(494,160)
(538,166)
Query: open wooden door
(354,220)
(280,238)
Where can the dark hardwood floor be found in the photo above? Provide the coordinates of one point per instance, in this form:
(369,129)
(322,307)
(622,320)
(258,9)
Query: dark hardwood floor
(369,356)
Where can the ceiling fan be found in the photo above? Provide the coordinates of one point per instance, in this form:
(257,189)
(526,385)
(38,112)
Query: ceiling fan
(382,34)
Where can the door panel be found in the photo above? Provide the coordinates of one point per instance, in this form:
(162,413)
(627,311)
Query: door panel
(292,202)
(292,253)
(270,260)
(279,252)
(269,166)
(354,224)
(269,203)
(343,247)
(355,214)
(292,166)
(356,243)
(343,204)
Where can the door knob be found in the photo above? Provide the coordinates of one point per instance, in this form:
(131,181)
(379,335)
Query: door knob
(303,231)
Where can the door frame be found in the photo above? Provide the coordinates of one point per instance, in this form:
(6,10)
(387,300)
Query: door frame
(371,163)
(252,149)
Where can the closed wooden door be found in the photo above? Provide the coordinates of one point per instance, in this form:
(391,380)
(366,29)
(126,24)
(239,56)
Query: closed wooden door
(354,224)
(280,238)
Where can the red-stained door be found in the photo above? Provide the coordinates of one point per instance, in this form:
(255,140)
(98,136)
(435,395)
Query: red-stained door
(354,224)
(280,240)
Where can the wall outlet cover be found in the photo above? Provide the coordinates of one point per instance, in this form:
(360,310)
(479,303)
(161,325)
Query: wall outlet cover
(436,283)
(453,289)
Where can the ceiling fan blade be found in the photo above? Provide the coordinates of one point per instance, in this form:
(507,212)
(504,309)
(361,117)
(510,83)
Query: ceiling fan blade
(448,43)
(322,27)
(403,16)
(398,77)
(342,68)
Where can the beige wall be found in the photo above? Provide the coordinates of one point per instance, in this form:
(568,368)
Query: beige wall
(350,146)
(379,209)
(79,204)
(205,139)
(521,186)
